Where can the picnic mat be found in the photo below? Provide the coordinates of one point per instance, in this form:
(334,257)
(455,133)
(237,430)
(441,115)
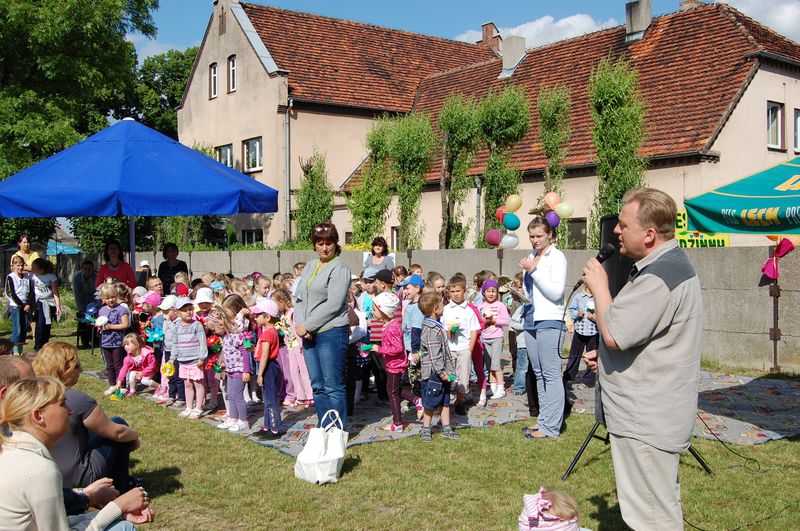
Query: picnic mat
(737,409)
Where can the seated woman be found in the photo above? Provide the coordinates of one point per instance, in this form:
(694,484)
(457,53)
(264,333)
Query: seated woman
(35,416)
(95,446)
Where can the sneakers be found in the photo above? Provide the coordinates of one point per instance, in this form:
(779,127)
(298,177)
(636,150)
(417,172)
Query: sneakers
(500,393)
(448,433)
(195,414)
(425,435)
(109,391)
(238,425)
(186,412)
(393,427)
(226,424)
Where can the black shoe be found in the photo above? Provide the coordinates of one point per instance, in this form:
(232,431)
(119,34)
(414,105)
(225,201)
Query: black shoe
(268,435)
(460,409)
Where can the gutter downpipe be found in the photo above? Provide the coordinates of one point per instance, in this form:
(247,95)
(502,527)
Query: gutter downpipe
(287,231)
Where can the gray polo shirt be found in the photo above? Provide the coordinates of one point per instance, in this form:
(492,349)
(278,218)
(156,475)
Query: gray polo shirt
(649,386)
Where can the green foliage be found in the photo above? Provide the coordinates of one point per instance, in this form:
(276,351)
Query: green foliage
(369,201)
(314,198)
(458,122)
(94,232)
(503,119)
(411,144)
(39,230)
(378,138)
(618,113)
(295,244)
(160,84)
(554,114)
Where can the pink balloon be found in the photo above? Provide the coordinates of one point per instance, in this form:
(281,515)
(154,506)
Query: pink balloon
(494,237)
(551,199)
(552,218)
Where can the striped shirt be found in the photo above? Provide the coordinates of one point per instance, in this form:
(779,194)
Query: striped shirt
(188,341)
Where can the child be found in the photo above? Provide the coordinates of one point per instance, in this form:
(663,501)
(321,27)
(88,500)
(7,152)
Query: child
(236,306)
(436,281)
(236,361)
(357,358)
(400,273)
(437,367)
(462,328)
(176,394)
(269,372)
(495,317)
(394,356)
(294,366)
(416,269)
(262,288)
(549,510)
(19,301)
(181,279)
(113,320)
(139,364)
(204,300)
(47,298)
(297,269)
(155,284)
(586,336)
(189,351)
(412,330)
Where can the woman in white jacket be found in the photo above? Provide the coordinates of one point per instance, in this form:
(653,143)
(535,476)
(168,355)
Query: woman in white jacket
(544,282)
(34,416)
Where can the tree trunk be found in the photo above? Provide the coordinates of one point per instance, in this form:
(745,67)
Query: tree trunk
(548,182)
(444,190)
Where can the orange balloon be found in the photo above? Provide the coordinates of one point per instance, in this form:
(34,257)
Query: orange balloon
(551,199)
(773,237)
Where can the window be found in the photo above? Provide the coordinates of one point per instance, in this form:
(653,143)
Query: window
(252,236)
(252,154)
(797,130)
(232,73)
(395,237)
(212,80)
(577,233)
(224,154)
(775,125)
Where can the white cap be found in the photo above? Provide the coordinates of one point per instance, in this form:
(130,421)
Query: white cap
(168,302)
(144,263)
(204,295)
(139,291)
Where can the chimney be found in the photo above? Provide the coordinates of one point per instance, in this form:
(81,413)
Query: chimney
(490,36)
(638,15)
(513,51)
(686,5)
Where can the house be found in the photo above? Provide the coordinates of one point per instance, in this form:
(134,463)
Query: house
(722,94)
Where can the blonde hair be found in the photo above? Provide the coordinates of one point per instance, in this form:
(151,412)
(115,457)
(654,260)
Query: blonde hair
(283,295)
(263,279)
(240,288)
(17,258)
(135,338)
(221,314)
(181,278)
(124,293)
(208,277)
(562,506)
(56,359)
(656,210)
(107,290)
(26,396)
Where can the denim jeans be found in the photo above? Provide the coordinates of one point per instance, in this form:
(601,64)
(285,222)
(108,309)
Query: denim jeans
(19,325)
(270,392)
(325,355)
(520,370)
(543,351)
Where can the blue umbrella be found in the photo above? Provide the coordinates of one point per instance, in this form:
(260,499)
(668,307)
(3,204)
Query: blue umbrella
(54,248)
(129,169)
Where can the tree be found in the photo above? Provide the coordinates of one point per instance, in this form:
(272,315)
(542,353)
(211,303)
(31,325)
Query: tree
(94,232)
(411,144)
(64,67)
(314,198)
(554,113)
(503,119)
(458,122)
(161,81)
(368,202)
(618,114)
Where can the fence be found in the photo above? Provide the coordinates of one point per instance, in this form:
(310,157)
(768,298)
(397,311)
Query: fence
(738,313)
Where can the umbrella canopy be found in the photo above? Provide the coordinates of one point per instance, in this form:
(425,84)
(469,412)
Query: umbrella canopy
(767,202)
(129,169)
(54,247)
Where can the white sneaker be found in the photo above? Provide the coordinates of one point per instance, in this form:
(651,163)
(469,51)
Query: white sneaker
(109,391)
(500,393)
(224,425)
(238,425)
(185,413)
(195,414)
(256,399)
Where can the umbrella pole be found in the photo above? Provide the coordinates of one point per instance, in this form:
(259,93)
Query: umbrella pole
(775,331)
(132,241)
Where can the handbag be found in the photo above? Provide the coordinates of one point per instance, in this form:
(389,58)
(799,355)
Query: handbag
(321,459)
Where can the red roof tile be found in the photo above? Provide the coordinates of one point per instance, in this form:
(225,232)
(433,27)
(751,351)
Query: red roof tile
(341,62)
(691,64)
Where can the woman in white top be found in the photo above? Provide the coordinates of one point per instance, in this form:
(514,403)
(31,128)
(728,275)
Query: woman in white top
(35,416)
(544,281)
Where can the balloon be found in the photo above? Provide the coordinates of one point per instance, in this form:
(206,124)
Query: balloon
(499,213)
(552,218)
(563,209)
(494,237)
(551,199)
(509,241)
(773,237)
(511,221)
(513,203)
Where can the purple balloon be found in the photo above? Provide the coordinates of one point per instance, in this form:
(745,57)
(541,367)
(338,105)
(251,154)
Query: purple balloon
(552,218)
(494,237)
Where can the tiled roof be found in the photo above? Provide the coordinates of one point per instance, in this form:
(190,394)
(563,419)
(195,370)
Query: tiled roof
(341,62)
(692,66)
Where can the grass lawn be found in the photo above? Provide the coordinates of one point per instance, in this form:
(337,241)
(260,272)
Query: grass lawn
(201,478)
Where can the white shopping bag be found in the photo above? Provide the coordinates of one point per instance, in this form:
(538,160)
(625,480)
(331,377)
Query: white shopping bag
(321,459)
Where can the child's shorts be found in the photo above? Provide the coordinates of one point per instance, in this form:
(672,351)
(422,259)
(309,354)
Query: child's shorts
(493,353)
(190,371)
(435,393)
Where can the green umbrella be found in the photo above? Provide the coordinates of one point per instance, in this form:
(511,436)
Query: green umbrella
(767,202)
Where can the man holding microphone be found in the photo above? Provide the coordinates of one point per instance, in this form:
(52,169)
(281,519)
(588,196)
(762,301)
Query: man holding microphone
(649,360)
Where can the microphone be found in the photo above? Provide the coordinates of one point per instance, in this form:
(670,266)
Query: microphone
(607,250)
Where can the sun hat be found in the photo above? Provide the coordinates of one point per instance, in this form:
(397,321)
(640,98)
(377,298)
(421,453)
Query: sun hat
(267,306)
(387,303)
(414,280)
(151,297)
(204,295)
(139,291)
(182,302)
(168,302)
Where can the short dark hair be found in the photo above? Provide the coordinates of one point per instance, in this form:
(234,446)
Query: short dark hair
(9,369)
(167,247)
(380,240)
(109,243)
(458,280)
(326,232)
(428,302)
(87,262)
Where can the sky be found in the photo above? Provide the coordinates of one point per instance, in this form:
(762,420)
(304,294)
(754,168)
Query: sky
(181,23)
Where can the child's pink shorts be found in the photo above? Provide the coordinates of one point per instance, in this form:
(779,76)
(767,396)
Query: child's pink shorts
(190,371)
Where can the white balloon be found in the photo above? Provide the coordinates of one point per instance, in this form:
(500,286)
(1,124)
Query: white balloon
(509,241)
